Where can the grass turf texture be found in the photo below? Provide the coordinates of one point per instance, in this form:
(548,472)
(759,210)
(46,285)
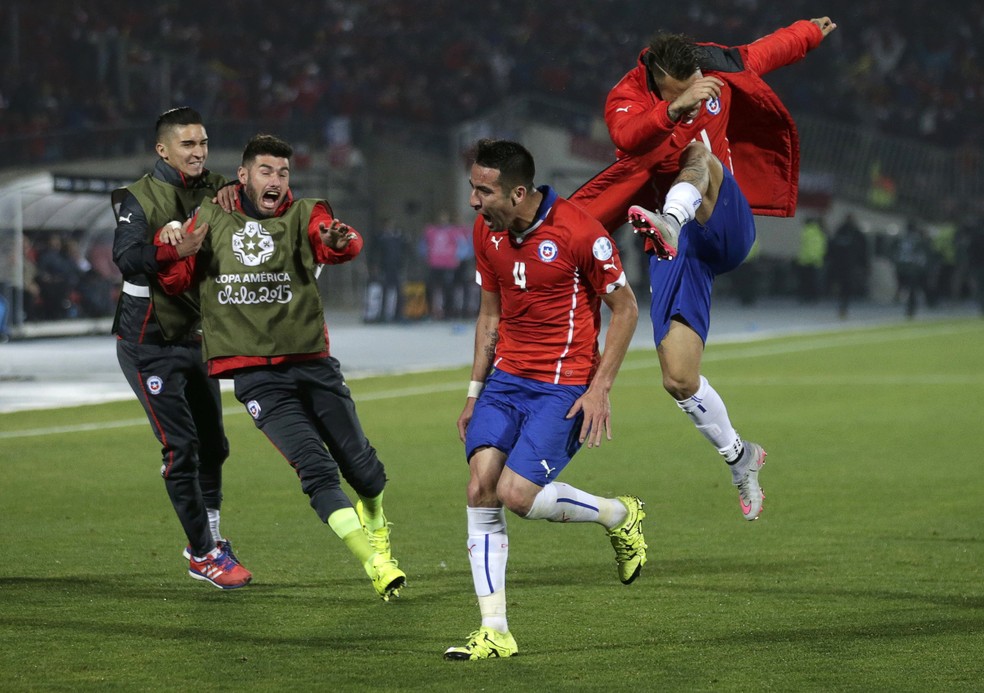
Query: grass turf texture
(865,571)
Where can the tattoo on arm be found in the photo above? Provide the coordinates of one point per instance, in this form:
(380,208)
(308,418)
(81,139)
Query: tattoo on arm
(493,337)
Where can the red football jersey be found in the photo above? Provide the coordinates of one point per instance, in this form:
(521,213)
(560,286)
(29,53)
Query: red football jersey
(549,282)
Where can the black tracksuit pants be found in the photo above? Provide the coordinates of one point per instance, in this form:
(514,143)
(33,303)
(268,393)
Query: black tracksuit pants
(306,410)
(184,407)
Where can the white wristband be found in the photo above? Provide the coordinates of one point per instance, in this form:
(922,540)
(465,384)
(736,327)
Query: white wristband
(475,388)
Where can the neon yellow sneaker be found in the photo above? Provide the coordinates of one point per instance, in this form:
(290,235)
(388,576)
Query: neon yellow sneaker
(379,539)
(484,643)
(628,542)
(386,576)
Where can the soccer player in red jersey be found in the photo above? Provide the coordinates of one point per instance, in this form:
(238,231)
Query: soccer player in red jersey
(697,122)
(540,387)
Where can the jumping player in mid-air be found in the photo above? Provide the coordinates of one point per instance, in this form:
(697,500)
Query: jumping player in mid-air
(697,122)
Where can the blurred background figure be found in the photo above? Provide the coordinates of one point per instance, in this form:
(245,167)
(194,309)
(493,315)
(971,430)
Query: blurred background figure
(57,279)
(466,291)
(912,261)
(440,250)
(975,259)
(847,263)
(809,260)
(387,251)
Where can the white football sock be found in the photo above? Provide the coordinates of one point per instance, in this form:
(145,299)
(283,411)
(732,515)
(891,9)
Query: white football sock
(213,524)
(682,202)
(560,502)
(488,551)
(493,609)
(706,409)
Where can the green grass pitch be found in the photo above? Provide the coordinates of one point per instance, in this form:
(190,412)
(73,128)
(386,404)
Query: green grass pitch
(865,571)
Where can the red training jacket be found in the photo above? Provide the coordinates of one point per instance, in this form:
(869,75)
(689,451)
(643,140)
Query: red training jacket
(748,129)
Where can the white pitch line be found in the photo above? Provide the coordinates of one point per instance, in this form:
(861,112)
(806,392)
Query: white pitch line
(229,411)
(812,343)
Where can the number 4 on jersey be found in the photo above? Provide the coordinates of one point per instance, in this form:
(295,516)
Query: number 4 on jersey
(519,274)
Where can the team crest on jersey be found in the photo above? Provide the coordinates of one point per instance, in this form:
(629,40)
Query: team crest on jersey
(155,384)
(714,106)
(547,250)
(253,407)
(252,245)
(602,248)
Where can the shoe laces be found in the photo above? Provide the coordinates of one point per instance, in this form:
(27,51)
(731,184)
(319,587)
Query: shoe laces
(380,537)
(478,641)
(379,540)
(224,561)
(381,561)
(628,547)
(226,547)
(627,540)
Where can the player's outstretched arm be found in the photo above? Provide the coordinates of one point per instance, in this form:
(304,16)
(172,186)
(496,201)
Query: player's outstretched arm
(787,45)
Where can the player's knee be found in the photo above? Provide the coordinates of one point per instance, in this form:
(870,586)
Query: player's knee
(680,386)
(516,501)
(516,494)
(481,495)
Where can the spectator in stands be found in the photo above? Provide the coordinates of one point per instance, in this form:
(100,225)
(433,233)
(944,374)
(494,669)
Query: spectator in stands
(918,78)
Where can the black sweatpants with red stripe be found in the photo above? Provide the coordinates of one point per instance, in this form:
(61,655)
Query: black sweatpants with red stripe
(184,407)
(306,410)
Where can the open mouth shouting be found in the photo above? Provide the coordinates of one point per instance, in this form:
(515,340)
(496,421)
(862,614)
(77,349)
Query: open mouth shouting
(270,200)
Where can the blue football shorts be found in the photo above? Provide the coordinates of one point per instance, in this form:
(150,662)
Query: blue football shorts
(525,419)
(682,286)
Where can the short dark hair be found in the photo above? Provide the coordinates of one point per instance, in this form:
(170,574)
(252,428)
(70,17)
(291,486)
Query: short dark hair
(511,159)
(675,55)
(176,117)
(269,145)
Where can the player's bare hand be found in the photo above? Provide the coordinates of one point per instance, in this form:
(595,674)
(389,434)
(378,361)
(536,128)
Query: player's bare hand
(465,418)
(825,24)
(226,198)
(192,239)
(597,410)
(687,105)
(172,232)
(337,235)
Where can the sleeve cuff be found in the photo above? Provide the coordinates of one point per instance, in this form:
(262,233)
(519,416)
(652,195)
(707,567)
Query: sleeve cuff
(167,253)
(663,116)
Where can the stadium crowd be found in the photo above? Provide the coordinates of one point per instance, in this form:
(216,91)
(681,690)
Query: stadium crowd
(912,68)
